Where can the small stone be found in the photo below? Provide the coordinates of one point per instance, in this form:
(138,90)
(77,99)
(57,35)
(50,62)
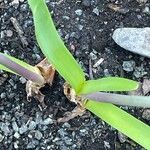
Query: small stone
(96,11)
(146,10)
(14,2)
(3,95)
(15,126)
(80,27)
(9,33)
(106,144)
(1,137)
(122,137)
(139,72)
(146,114)
(16,145)
(32,125)
(141,1)
(38,135)
(128,65)
(4,127)
(135,40)
(78,12)
(23,80)
(48,121)
(67,140)
(86,3)
(30,145)
(17,135)
(23,129)
(66,17)
(93,56)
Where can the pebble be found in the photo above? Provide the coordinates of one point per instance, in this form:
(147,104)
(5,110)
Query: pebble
(1,137)
(3,95)
(30,145)
(38,135)
(122,138)
(139,72)
(128,65)
(78,12)
(86,3)
(93,56)
(9,33)
(141,1)
(146,114)
(32,125)
(4,127)
(136,40)
(96,11)
(17,135)
(23,129)
(22,80)
(15,126)
(16,145)
(48,121)
(146,10)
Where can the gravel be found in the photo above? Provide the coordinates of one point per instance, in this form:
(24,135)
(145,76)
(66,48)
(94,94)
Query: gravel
(86,26)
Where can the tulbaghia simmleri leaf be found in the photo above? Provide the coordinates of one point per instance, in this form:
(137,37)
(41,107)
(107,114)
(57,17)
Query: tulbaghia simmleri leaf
(13,65)
(118,99)
(109,84)
(53,47)
(122,121)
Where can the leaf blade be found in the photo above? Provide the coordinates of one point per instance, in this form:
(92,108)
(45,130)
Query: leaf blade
(122,121)
(53,47)
(109,84)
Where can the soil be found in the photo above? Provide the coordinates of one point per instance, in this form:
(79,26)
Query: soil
(86,28)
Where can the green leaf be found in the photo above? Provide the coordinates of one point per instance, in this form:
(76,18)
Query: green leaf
(122,121)
(109,84)
(53,47)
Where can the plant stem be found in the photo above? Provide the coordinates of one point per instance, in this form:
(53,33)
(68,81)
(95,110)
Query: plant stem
(118,99)
(21,70)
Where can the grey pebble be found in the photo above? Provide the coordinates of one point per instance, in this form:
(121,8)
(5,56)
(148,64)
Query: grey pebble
(136,40)
(32,125)
(86,3)
(3,95)
(96,11)
(78,12)
(128,65)
(15,126)
(48,121)
(4,127)
(146,114)
(139,72)
(1,137)
(38,135)
(23,129)
(22,80)
(17,135)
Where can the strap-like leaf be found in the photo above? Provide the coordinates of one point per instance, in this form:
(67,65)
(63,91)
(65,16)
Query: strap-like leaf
(53,47)
(109,84)
(122,121)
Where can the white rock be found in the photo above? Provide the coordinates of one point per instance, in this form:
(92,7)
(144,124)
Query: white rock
(136,40)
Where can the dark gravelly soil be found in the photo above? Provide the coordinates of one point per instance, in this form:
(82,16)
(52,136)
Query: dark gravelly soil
(86,27)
